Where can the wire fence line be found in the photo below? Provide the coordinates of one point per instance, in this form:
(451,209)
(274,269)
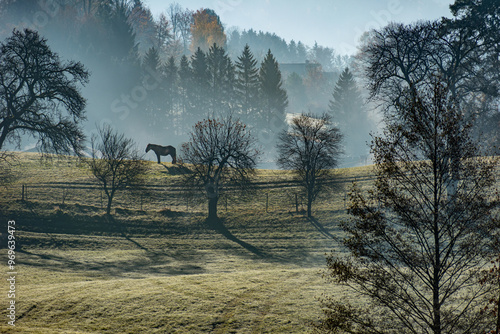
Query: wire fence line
(262,197)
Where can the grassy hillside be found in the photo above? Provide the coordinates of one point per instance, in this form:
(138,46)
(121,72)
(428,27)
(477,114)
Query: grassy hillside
(156,266)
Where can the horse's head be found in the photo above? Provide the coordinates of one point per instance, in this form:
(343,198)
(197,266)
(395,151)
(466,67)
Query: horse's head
(148,148)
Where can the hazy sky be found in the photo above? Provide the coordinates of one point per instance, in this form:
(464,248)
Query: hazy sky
(333,23)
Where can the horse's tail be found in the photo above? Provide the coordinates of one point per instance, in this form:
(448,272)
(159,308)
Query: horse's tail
(174,155)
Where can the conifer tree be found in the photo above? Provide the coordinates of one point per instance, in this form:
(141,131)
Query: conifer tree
(247,82)
(274,98)
(347,108)
(221,79)
(151,61)
(200,85)
(170,71)
(185,76)
(301,52)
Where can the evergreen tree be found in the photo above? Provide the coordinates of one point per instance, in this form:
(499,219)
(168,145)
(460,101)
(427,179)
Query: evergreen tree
(200,86)
(142,21)
(120,49)
(221,79)
(247,82)
(274,98)
(347,108)
(170,86)
(151,113)
(185,75)
(301,52)
(123,45)
(292,52)
(151,61)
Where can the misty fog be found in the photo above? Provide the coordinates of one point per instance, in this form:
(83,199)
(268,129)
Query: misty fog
(140,86)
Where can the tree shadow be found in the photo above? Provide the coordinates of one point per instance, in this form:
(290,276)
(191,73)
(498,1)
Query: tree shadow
(121,229)
(218,226)
(154,261)
(314,222)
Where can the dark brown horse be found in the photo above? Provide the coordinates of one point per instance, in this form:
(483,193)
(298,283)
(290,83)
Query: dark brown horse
(162,150)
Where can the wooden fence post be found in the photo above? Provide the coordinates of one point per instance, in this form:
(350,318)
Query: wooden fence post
(267,201)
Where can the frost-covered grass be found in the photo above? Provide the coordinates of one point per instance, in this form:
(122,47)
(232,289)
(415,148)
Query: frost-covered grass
(162,269)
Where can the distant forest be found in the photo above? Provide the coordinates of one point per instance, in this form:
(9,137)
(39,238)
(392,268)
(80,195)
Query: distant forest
(156,77)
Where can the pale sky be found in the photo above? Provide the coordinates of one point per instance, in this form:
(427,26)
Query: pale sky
(334,23)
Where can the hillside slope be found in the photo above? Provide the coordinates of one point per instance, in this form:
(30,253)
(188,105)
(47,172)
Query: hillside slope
(156,266)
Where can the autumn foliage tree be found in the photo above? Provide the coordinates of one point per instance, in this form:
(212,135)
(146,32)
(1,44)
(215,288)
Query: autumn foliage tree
(206,30)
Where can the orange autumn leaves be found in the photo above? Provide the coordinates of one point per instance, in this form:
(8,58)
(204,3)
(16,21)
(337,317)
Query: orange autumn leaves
(206,30)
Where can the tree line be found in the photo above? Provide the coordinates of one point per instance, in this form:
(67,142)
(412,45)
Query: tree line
(210,84)
(165,71)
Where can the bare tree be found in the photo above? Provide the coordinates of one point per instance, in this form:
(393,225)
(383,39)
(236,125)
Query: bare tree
(181,20)
(398,57)
(418,239)
(36,91)
(221,152)
(115,163)
(163,32)
(311,148)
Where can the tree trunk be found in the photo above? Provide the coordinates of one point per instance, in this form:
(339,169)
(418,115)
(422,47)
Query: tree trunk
(309,207)
(212,207)
(310,200)
(108,208)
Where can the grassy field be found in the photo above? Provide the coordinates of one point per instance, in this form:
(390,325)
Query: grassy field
(156,266)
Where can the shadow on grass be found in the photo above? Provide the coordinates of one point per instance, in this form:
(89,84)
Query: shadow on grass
(152,261)
(126,268)
(176,169)
(317,225)
(119,227)
(218,226)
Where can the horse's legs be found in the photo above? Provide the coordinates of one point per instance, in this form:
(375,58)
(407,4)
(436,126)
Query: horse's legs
(158,156)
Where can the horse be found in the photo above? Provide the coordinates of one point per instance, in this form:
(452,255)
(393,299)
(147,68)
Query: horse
(162,150)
